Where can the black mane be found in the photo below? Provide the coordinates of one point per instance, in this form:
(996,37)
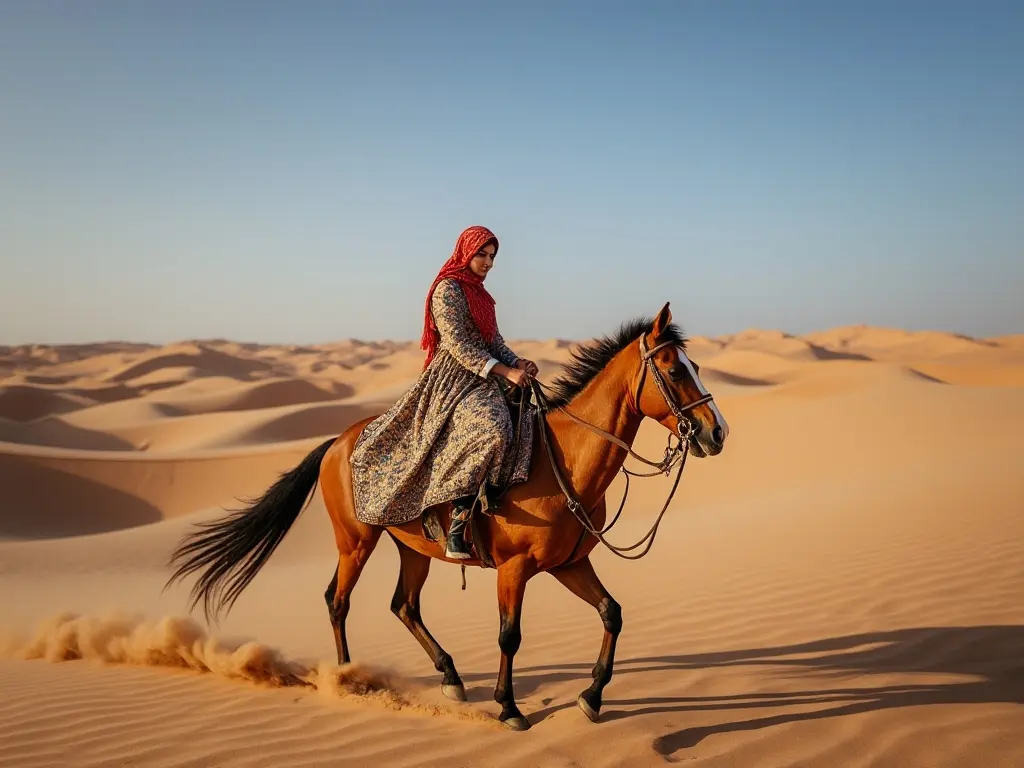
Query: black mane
(590,359)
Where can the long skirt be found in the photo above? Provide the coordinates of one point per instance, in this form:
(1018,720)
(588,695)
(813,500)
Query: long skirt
(441,441)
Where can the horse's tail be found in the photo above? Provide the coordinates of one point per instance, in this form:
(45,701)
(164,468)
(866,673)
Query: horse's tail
(234,548)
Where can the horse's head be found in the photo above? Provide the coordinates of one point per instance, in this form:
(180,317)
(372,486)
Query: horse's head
(668,389)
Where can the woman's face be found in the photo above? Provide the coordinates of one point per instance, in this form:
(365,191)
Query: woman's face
(483,261)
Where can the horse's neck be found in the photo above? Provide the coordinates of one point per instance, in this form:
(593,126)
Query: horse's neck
(590,462)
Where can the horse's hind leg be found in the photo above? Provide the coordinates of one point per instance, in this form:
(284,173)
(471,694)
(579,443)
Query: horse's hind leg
(406,606)
(337,623)
(580,579)
(350,565)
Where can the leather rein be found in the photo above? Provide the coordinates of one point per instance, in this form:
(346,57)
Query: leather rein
(674,455)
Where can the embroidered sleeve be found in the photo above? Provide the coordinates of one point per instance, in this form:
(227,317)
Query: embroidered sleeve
(503,353)
(458,333)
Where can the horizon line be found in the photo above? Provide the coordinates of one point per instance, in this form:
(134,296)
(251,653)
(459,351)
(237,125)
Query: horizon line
(528,340)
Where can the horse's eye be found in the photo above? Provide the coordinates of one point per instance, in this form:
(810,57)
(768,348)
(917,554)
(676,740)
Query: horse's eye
(675,373)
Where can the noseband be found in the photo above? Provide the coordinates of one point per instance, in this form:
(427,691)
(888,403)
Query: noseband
(683,432)
(674,455)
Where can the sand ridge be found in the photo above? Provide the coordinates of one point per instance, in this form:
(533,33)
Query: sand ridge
(840,587)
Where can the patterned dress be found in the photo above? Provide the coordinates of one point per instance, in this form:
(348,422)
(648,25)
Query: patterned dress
(449,433)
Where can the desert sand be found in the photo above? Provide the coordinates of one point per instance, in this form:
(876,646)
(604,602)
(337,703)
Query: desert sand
(842,586)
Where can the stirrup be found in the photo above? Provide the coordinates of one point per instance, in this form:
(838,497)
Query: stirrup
(460,550)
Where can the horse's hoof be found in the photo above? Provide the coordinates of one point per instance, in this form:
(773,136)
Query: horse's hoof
(588,710)
(517,723)
(454,692)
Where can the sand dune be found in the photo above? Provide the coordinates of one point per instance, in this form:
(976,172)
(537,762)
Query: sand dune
(75,492)
(899,345)
(268,394)
(981,375)
(232,429)
(841,587)
(786,346)
(26,403)
(58,433)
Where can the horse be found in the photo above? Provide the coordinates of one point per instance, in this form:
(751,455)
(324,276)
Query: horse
(551,522)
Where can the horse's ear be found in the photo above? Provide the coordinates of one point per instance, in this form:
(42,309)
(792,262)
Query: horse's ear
(662,321)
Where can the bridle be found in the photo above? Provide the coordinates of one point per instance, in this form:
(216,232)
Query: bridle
(670,400)
(674,455)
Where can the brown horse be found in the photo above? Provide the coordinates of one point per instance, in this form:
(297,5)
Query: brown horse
(607,389)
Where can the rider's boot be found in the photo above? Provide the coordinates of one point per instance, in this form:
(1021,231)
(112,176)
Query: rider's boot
(457,548)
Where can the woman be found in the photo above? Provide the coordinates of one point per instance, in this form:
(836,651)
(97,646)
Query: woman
(452,431)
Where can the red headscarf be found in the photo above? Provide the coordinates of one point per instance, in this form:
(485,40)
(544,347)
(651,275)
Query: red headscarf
(481,303)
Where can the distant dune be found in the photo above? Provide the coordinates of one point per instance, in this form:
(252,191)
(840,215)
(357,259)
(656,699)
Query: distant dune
(841,587)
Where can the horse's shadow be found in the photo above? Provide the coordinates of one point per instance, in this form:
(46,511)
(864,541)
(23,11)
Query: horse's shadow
(989,659)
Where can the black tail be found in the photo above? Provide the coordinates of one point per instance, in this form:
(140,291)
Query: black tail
(234,548)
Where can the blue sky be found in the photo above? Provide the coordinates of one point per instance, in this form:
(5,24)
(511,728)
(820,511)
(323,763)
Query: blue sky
(298,172)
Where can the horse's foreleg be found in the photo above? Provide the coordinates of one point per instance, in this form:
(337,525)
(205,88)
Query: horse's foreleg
(580,579)
(512,578)
(350,565)
(406,606)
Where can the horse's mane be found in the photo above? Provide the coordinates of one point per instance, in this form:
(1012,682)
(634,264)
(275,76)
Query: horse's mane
(590,359)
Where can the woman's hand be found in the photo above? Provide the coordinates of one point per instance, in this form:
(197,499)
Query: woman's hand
(519,377)
(529,366)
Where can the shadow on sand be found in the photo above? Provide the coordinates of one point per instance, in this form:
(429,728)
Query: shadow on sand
(990,659)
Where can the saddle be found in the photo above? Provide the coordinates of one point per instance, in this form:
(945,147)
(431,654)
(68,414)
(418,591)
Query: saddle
(489,497)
